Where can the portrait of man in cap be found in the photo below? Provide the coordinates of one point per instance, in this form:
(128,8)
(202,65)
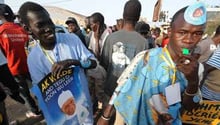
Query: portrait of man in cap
(74,113)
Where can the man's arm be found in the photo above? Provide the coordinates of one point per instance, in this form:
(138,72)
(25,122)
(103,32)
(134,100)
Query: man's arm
(189,66)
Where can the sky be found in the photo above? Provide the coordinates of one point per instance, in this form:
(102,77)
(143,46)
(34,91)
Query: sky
(111,9)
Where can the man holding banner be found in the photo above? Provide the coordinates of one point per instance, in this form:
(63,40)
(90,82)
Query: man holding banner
(56,64)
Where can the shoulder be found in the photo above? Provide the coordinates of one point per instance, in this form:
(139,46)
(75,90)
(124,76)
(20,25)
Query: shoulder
(34,53)
(155,51)
(67,37)
(205,41)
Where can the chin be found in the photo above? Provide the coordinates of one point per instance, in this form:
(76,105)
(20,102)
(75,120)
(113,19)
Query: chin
(50,41)
(71,112)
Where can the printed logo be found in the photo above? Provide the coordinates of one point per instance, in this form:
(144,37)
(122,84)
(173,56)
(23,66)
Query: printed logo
(198,12)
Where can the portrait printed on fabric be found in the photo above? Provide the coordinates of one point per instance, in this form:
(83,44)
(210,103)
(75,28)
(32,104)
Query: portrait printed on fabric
(61,98)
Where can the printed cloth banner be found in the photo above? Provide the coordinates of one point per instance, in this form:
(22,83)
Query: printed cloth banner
(61,98)
(207,113)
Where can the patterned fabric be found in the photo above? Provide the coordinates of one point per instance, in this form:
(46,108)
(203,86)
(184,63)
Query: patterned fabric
(210,88)
(210,94)
(214,60)
(144,92)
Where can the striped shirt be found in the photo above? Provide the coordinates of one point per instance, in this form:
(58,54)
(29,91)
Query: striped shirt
(214,60)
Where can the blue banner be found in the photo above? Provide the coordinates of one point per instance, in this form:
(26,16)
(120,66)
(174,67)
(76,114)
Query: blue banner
(61,98)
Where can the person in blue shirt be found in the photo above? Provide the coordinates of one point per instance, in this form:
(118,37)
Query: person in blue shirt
(153,88)
(55,51)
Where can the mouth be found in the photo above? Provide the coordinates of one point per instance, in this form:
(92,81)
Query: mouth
(49,36)
(185,51)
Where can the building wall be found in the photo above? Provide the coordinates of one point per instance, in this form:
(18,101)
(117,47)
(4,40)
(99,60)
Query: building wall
(213,17)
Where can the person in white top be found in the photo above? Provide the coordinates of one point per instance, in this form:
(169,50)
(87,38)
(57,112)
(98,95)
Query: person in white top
(99,33)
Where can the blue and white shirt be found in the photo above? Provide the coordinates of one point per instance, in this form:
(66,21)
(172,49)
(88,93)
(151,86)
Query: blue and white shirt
(68,46)
(214,60)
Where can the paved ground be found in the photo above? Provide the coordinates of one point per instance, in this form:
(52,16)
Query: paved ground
(16,111)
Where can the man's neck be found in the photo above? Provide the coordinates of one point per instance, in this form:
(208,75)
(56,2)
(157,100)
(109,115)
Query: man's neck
(128,27)
(173,55)
(48,46)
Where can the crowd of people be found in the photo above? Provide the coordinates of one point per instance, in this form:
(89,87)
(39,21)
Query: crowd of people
(129,73)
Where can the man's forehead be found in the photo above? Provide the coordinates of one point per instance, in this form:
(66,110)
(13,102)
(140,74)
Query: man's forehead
(38,16)
(37,13)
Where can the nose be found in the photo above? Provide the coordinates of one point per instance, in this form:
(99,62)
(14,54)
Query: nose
(188,38)
(47,29)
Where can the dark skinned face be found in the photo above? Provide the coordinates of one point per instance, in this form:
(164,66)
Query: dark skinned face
(42,28)
(94,25)
(184,35)
(72,28)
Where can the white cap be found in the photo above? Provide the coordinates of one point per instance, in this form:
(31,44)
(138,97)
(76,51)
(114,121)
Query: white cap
(63,97)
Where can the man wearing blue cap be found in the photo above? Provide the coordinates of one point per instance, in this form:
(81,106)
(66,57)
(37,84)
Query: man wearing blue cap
(154,87)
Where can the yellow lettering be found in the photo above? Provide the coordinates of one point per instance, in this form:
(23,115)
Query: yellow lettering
(44,85)
(70,71)
(64,72)
(52,79)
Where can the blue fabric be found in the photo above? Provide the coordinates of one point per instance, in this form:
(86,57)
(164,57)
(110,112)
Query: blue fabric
(48,98)
(214,60)
(73,121)
(68,46)
(210,94)
(142,100)
(195,14)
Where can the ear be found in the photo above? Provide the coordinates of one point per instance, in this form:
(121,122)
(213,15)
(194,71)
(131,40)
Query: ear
(169,31)
(27,29)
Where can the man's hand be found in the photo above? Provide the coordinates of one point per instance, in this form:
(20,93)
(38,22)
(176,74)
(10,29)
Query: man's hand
(189,66)
(61,65)
(102,122)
